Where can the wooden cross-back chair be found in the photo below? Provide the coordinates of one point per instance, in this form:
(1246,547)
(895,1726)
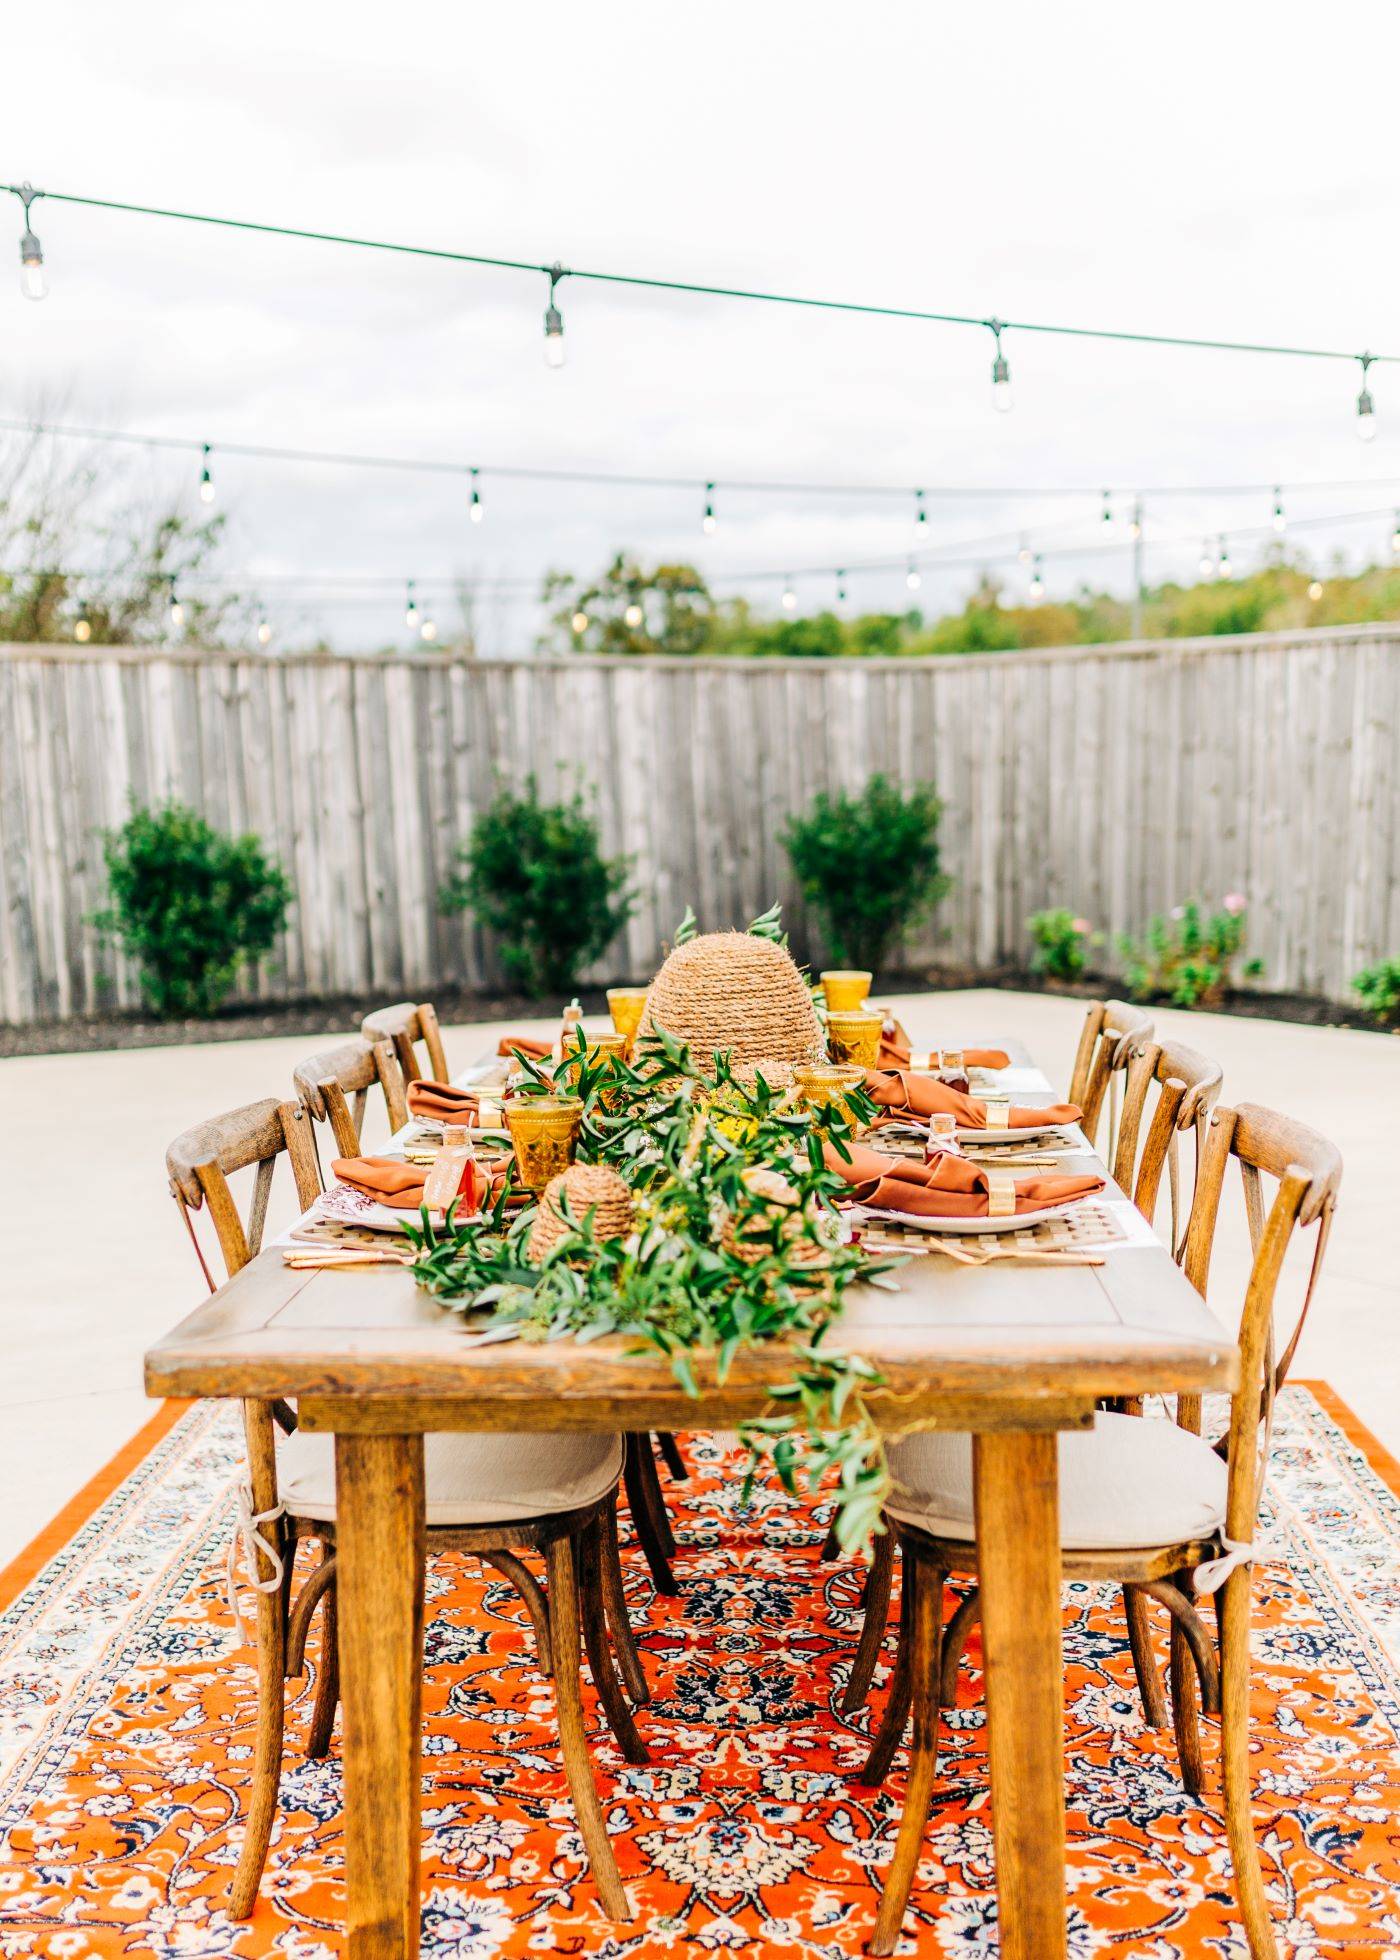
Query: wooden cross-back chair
(1145,1502)
(1187,1086)
(1111,1027)
(484,1496)
(334,1086)
(406,1024)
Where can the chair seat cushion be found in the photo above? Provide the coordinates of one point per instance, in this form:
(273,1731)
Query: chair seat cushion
(1129,1481)
(470,1478)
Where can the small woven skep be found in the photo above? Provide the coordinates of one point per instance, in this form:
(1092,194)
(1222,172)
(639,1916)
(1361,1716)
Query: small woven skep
(587,1187)
(735,991)
(781,1210)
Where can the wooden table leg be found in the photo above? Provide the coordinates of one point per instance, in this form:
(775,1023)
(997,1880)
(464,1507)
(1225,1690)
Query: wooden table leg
(379,1573)
(1015,1488)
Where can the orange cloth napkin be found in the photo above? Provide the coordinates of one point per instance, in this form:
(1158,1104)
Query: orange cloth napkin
(905,1096)
(400,1185)
(442,1101)
(949,1187)
(525,1044)
(895,1052)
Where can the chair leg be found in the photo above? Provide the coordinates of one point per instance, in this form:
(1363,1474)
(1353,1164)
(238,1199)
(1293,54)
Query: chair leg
(655,1497)
(923,1755)
(671,1455)
(1234,1751)
(875,1625)
(578,1768)
(890,1733)
(954,1640)
(1185,1706)
(653,1550)
(530,1590)
(831,1547)
(1154,1701)
(615,1606)
(318,1739)
(588,1562)
(267,1750)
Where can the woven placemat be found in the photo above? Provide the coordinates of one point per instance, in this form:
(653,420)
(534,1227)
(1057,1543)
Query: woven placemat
(1087,1228)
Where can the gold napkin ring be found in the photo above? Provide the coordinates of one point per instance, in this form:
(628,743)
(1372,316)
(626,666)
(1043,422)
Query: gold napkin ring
(998,1110)
(1001,1194)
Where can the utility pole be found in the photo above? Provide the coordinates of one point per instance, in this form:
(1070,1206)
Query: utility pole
(1136,627)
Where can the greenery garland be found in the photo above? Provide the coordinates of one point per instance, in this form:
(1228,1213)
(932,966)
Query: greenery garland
(736,1244)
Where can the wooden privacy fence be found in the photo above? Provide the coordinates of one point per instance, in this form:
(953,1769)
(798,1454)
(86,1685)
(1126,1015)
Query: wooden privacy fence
(1115,780)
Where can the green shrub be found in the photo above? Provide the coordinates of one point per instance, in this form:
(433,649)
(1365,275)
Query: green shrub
(1060,943)
(868,866)
(1187,959)
(190,904)
(537,878)
(1379,988)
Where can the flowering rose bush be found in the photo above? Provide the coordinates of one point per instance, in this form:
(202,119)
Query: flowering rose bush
(1189,958)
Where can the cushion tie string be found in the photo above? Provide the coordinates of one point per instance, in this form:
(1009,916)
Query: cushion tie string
(252,1539)
(1212,1573)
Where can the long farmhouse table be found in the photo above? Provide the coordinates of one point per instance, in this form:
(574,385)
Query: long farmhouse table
(1011,1354)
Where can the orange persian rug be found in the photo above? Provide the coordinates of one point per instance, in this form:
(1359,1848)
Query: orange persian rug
(126,1710)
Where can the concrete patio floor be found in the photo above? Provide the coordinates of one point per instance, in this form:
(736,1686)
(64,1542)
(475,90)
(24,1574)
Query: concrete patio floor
(88,1287)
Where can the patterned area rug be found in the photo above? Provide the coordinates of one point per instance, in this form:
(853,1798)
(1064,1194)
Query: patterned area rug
(126,1722)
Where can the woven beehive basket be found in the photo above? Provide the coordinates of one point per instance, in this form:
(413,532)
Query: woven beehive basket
(784,1217)
(735,991)
(588,1187)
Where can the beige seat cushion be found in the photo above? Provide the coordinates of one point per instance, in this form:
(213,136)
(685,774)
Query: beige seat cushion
(471,1479)
(1130,1481)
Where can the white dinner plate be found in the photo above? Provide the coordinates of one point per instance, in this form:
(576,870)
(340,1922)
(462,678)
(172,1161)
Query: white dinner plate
(343,1206)
(1019,1135)
(1015,1224)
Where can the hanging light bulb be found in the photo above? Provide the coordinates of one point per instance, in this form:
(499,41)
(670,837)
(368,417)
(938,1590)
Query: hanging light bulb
(840,588)
(177,611)
(1107,511)
(920,517)
(410,614)
(476,498)
(428,630)
(789,596)
(579,622)
(1135,525)
(1315,590)
(1224,561)
(1365,407)
(707,522)
(1280,521)
(633,615)
(1024,554)
(1037,580)
(264,632)
(82,626)
(32,282)
(912,578)
(1001,374)
(554,322)
(1207,564)
(206,481)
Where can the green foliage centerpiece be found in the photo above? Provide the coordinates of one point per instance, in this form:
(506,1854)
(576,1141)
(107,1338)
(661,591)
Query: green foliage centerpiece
(734,1244)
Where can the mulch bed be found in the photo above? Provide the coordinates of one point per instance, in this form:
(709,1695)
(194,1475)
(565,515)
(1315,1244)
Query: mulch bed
(258,1020)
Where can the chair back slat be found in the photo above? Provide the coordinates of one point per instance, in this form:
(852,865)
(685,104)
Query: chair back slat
(405,1024)
(201,1160)
(1306,1170)
(1111,1028)
(334,1086)
(1187,1086)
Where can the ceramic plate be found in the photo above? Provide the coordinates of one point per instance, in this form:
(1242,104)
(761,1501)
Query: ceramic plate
(951,1225)
(346,1207)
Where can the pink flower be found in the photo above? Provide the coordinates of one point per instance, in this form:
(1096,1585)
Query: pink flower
(1079,925)
(1234,903)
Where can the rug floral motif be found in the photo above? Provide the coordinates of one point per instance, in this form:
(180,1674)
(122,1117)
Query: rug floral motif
(126,1711)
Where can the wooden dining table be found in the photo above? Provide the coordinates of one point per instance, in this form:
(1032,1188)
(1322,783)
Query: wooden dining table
(1011,1353)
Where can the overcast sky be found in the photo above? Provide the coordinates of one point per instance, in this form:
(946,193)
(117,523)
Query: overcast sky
(1223,171)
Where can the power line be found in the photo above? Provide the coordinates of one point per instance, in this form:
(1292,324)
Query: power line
(703,289)
(529,472)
